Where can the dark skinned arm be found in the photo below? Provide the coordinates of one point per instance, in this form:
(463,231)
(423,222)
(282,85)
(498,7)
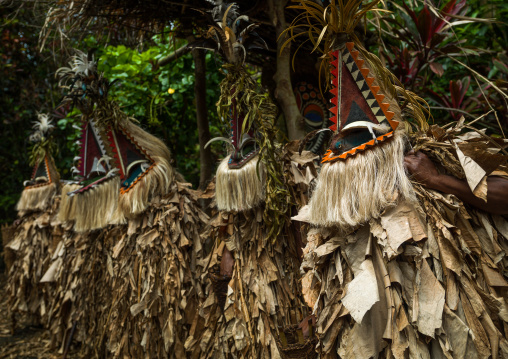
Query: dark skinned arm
(227,262)
(424,171)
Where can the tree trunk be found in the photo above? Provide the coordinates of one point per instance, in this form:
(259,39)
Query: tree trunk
(205,154)
(284,90)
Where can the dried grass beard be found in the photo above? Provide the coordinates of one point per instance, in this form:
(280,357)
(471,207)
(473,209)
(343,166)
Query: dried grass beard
(67,207)
(155,182)
(36,198)
(241,189)
(351,192)
(93,209)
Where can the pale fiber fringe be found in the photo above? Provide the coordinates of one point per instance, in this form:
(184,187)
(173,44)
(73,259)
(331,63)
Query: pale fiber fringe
(351,192)
(155,182)
(240,189)
(95,208)
(66,210)
(36,198)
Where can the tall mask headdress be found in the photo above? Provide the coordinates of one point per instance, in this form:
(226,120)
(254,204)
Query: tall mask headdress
(367,145)
(360,117)
(45,180)
(364,110)
(239,183)
(120,167)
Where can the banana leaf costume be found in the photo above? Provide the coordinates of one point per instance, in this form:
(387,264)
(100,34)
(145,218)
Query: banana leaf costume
(393,269)
(256,186)
(137,262)
(35,233)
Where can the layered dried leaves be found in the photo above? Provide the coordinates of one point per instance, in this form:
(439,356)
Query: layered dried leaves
(264,292)
(132,290)
(34,237)
(425,279)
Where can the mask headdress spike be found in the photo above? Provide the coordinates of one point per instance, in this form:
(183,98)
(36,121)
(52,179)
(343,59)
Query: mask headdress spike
(238,181)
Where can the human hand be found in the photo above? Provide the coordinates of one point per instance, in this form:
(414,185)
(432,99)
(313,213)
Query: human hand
(422,169)
(227,262)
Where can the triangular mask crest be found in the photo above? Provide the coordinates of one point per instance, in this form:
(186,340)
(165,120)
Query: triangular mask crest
(41,170)
(355,99)
(126,151)
(92,149)
(132,160)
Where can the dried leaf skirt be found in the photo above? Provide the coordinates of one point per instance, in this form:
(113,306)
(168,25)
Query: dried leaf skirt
(155,282)
(263,293)
(425,280)
(33,242)
(78,273)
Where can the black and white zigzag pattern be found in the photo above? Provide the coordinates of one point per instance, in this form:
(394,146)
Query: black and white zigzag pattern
(348,60)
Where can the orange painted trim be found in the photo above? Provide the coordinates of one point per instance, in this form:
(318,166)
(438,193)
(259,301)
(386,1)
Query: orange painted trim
(50,180)
(331,157)
(125,190)
(38,185)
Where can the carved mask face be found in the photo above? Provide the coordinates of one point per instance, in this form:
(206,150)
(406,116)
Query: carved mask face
(132,161)
(244,143)
(361,119)
(93,166)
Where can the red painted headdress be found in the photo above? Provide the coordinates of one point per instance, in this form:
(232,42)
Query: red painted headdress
(120,167)
(360,117)
(364,107)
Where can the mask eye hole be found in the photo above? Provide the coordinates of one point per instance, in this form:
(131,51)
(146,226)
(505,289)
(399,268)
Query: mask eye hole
(248,148)
(136,167)
(41,179)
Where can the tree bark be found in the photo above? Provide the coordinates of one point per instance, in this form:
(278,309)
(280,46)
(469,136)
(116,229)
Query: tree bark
(205,154)
(173,56)
(284,90)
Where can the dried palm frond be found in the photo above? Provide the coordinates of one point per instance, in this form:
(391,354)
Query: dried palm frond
(230,34)
(88,89)
(131,20)
(329,28)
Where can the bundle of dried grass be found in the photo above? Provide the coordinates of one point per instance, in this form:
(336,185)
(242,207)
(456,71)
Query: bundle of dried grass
(157,265)
(344,199)
(32,243)
(36,198)
(67,210)
(263,291)
(133,19)
(95,208)
(424,278)
(241,189)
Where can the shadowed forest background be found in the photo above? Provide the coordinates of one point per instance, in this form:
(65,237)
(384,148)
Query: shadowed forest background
(458,65)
